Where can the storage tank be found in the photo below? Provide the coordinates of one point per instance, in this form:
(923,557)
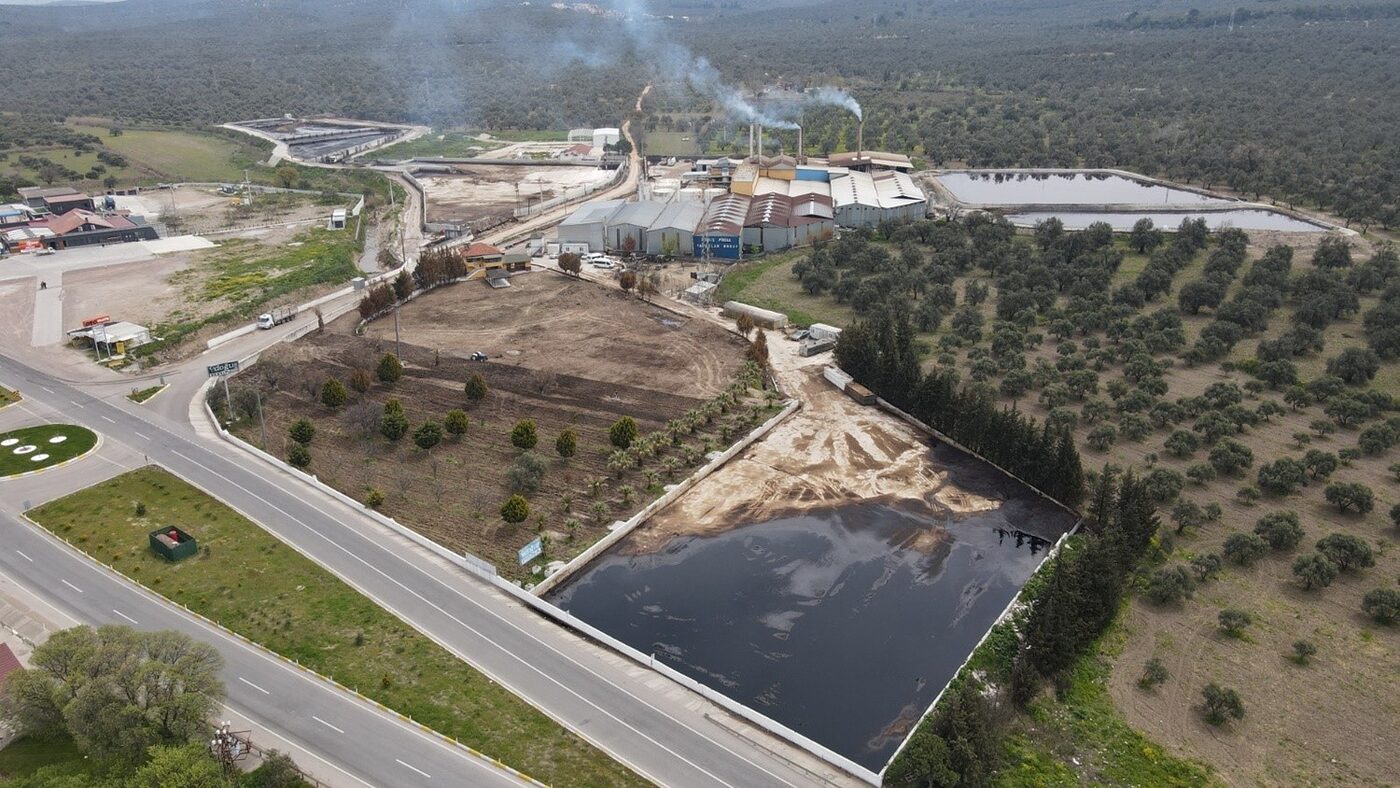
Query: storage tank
(762,317)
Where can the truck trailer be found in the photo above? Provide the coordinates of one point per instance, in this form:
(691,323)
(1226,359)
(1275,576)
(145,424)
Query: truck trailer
(278,316)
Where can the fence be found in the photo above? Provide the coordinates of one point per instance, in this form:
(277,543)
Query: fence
(537,208)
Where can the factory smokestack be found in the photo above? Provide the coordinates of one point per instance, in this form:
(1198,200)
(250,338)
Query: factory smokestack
(860,140)
(760,139)
(799,145)
(751,140)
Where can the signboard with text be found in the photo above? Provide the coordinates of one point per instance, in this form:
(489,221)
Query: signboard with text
(531,551)
(225,368)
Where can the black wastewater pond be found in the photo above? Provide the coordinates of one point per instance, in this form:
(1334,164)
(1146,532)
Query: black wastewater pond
(843,623)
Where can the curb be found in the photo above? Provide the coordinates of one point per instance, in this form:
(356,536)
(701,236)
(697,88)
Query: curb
(95,446)
(159,391)
(273,654)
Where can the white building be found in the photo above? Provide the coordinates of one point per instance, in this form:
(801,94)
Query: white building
(863,199)
(589,223)
(604,137)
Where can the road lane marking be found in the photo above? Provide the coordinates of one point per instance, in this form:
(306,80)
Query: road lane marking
(327,724)
(108,419)
(482,636)
(76,403)
(142,437)
(254,686)
(125,616)
(414,768)
(25,557)
(46,388)
(70,585)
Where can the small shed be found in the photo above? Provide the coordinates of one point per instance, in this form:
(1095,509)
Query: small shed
(498,278)
(699,293)
(172,543)
(338,219)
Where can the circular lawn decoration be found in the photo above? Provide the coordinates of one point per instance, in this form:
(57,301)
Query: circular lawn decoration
(60,442)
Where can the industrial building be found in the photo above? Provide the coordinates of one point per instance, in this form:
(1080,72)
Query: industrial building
(673,232)
(588,223)
(55,199)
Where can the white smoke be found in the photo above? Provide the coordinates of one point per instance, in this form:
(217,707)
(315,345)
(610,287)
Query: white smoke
(835,97)
(675,63)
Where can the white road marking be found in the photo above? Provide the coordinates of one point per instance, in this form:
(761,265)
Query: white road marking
(46,388)
(75,402)
(414,768)
(507,652)
(327,724)
(108,420)
(125,616)
(70,585)
(25,557)
(139,435)
(254,686)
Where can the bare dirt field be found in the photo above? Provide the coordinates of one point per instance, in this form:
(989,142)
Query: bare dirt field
(481,191)
(554,324)
(571,374)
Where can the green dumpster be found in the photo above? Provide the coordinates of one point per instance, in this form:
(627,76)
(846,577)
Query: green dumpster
(172,543)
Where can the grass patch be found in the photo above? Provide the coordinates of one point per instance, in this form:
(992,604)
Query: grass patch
(247,579)
(1086,726)
(76,441)
(28,755)
(769,284)
(246,275)
(8,397)
(526,135)
(172,154)
(141,395)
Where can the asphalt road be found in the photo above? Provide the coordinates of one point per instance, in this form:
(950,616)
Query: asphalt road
(639,720)
(370,746)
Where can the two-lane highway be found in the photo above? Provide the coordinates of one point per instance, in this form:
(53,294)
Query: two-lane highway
(625,712)
(369,746)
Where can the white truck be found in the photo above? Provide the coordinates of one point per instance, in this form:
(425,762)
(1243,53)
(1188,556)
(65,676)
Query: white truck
(277,317)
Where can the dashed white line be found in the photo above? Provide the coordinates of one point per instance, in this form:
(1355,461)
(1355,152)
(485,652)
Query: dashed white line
(70,585)
(139,435)
(327,724)
(76,403)
(414,768)
(46,388)
(254,686)
(25,557)
(125,616)
(108,420)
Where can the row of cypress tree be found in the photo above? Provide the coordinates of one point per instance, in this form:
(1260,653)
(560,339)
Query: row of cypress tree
(880,353)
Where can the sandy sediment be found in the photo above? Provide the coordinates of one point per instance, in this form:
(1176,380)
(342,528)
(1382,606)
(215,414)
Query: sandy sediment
(832,451)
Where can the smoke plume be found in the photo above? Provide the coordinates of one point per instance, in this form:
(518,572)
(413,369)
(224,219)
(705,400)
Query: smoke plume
(835,97)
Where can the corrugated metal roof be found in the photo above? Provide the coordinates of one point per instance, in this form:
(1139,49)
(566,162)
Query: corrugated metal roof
(593,212)
(773,209)
(682,216)
(726,215)
(637,214)
(881,190)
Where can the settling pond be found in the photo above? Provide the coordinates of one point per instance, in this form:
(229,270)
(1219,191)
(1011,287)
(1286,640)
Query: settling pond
(841,623)
(1064,187)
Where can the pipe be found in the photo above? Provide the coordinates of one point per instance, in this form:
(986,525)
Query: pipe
(750,140)
(860,140)
(799,144)
(760,139)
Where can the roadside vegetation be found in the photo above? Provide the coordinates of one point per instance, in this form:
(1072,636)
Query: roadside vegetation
(249,581)
(117,708)
(8,397)
(141,395)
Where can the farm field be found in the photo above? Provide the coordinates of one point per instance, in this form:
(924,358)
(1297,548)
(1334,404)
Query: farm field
(1332,724)
(566,354)
(178,155)
(248,580)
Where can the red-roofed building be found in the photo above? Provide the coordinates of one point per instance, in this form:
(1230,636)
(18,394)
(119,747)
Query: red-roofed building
(482,253)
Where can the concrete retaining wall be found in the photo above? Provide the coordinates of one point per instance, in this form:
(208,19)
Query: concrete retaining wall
(486,571)
(684,486)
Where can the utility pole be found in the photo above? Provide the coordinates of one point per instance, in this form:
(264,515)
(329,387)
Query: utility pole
(261,421)
(398,345)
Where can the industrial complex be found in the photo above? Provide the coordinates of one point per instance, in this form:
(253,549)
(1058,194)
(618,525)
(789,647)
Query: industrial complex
(724,208)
